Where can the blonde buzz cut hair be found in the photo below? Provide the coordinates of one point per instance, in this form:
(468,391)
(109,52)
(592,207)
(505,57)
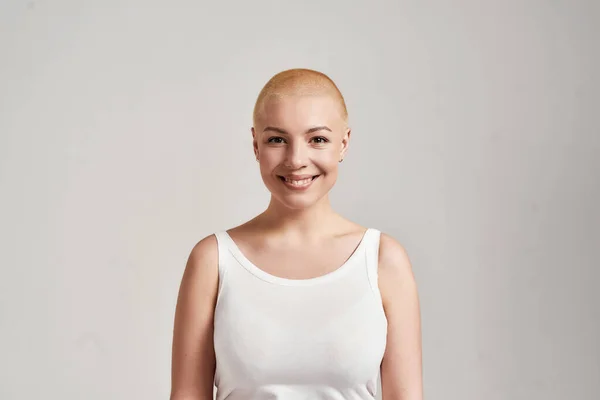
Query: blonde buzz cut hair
(302,82)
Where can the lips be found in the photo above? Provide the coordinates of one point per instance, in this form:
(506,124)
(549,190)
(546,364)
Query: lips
(298,181)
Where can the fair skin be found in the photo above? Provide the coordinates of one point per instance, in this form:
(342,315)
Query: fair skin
(298,236)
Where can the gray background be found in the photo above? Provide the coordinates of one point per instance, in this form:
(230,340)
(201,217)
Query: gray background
(125,139)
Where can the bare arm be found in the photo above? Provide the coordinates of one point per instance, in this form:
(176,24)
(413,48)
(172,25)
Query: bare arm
(401,369)
(193,356)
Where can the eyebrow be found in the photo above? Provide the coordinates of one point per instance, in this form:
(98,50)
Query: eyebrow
(284,132)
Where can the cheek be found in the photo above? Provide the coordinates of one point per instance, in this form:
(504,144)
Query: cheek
(268,162)
(327,160)
(270,156)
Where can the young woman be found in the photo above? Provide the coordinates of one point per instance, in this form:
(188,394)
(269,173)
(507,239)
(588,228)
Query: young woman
(299,302)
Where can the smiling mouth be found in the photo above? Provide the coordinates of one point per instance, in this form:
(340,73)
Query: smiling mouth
(298,182)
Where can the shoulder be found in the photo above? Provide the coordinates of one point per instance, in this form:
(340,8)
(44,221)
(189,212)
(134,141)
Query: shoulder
(201,268)
(394,268)
(199,283)
(392,254)
(204,251)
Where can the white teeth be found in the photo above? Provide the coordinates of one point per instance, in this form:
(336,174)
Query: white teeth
(300,182)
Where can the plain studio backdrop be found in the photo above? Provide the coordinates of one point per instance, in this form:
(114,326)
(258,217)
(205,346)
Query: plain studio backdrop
(125,139)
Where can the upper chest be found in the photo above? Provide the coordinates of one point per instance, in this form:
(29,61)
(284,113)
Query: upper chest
(299,260)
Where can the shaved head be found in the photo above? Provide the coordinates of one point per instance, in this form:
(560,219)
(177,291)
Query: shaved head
(299,82)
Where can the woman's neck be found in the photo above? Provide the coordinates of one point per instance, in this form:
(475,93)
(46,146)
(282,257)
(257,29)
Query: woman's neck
(316,219)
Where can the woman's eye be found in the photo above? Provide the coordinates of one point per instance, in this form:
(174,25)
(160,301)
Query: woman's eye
(320,140)
(275,139)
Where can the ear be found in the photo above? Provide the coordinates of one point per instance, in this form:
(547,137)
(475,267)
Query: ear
(345,142)
(254,142)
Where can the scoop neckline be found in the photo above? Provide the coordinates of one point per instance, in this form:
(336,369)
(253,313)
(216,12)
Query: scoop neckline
(268,277)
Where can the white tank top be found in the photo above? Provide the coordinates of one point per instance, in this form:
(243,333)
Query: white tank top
(298,339)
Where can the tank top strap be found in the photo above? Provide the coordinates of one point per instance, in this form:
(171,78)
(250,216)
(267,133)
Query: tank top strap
(223,240)
(223,247)
(225,255)
(372,239)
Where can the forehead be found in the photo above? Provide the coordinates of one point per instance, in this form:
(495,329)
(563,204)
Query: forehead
(300,111)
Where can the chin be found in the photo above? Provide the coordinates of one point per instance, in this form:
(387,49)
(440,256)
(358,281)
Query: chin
(298,201)
(295,203)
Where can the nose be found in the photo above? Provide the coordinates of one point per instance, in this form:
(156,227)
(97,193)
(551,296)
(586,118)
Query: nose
(296,156)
